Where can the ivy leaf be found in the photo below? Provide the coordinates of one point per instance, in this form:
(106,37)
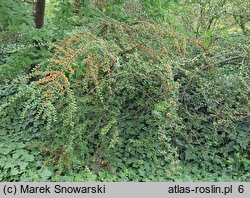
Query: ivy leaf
(5,151)
(28,157)
(15,171)
(189,155)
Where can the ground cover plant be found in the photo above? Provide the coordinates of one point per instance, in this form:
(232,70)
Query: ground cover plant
(134,90)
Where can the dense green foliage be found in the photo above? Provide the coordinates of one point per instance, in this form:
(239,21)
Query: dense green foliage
(133,90)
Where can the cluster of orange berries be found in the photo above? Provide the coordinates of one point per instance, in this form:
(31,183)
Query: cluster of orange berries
(65,55)
(64,62)
(53,81)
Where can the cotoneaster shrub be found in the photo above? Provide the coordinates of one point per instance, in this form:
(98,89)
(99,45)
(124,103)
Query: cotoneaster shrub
(103,103)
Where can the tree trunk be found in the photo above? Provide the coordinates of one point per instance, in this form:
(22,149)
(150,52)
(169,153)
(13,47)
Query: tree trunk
(39,15)
(39,21)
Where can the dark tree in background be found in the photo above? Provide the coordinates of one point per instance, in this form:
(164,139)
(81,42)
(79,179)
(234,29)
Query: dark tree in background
(39,15)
